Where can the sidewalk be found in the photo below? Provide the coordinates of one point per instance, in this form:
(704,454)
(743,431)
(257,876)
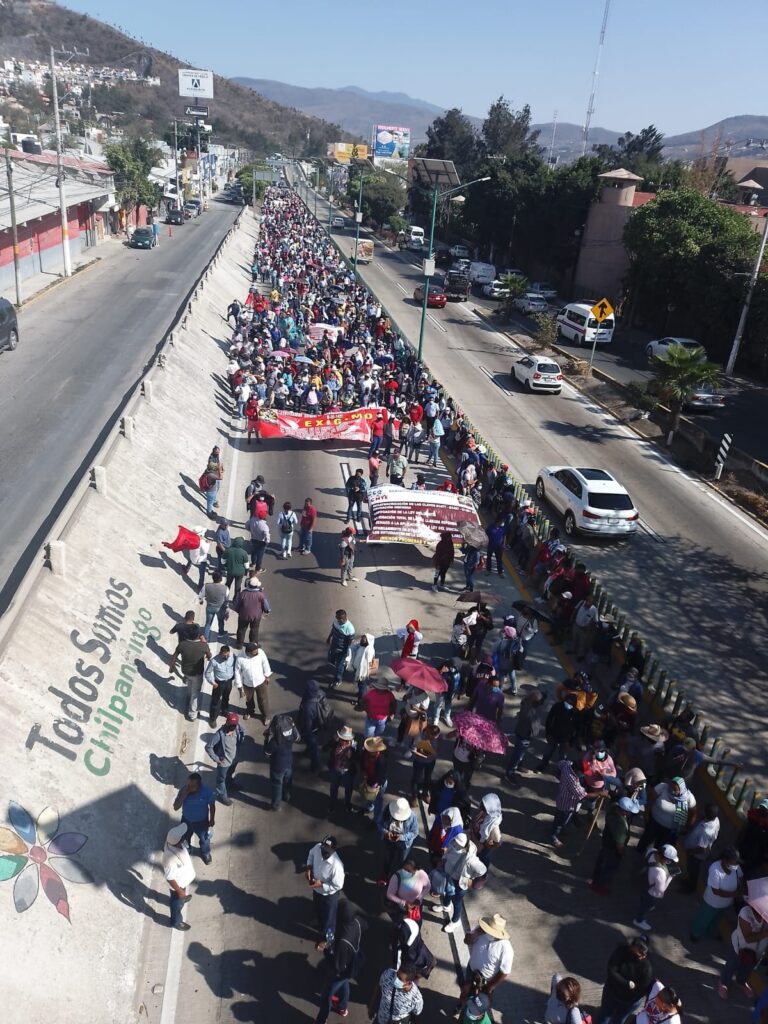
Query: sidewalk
(32,287)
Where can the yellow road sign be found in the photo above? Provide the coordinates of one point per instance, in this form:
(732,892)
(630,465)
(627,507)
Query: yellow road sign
(602,310)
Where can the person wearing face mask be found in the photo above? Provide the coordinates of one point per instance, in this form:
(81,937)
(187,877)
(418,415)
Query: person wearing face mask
(461,867)
(629,977)
(662,868)
(663,1006)
(560,729)
(396,997)
(672,808)
(725,881)
(570,794)
(488,699)
(406,890)
(598,769)
(409,950)
(485,829)
(445,828)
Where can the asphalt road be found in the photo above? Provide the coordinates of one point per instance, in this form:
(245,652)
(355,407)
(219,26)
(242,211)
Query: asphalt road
(694,580)
(82,347)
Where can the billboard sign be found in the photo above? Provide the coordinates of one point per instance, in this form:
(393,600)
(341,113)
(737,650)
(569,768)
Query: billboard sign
(342,152)
(391,142)
(198,84)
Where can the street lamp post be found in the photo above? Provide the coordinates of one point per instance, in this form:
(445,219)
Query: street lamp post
(747,301)
(60,171)
(358,219)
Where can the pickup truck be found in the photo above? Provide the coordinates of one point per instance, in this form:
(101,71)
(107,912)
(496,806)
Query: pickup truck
(457,285)
(365,250)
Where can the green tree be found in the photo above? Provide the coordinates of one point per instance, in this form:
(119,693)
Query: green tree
(677,375)
(546,329)
(383,196)
(516,286)
(131,162)
(453,137)
(506,132)
(688,260)
(246,177)
(631,151)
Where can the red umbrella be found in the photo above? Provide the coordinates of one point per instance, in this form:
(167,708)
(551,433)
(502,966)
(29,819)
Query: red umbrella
(417,674)
(479,732)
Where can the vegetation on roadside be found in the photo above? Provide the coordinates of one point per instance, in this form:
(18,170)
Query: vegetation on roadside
(131,162)
(677,375)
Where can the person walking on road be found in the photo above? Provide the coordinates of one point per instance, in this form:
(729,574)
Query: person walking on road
(179,874)
(251,606)
(614,843)
(341,767)
(442,560)
(236,561)
(659,875)
(570,793)
(339,642)
(220,673)
(224,749)
(286,525)
(396,997)
(397,468)
(197,803)
(584,625)
(344,959)
(222,540)
(347,547)
(325,875)
(278,746)
(490,959)
(528,724)
(672,809)
(253,674)
(193,654)
(725,882)
(314,714)
(563,1002)
(749,941)
(398,829)
(307,527)
(186,629)
(461,867)
(258,528)
(363,661)
(379,704)
(560,730)
(357,492)
(215,597)
(630,974)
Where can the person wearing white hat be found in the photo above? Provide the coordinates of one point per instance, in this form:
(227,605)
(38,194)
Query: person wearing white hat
(662,868)
(490,958)
(179,873)
(461,866)
(398,829)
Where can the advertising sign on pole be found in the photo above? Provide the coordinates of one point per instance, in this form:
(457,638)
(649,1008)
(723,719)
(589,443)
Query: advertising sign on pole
(391,142)
(198,84)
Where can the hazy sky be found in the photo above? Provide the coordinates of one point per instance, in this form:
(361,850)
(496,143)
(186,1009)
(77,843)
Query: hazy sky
(680,64)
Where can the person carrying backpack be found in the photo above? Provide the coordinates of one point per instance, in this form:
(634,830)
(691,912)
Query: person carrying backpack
(314,717)
(345,958)
(286,524)
(410,951)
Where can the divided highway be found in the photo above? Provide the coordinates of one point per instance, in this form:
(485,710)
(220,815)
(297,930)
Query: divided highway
(694,580)
(82,347)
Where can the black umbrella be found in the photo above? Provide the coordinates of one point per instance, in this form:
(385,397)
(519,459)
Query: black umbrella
(529,609)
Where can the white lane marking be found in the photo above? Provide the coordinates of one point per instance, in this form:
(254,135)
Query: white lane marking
(437,323)
(176,948)
(402,289)
(493,379)
(651,532)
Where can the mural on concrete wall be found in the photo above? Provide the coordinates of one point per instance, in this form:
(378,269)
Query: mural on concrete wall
(38,856)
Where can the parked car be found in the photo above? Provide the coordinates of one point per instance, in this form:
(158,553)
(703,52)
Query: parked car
(495,290)
(143,238)
(461,266)
(194,207)
(9,326)
(443,257)
(337,222)
(591,500)
(436,297)
(661,346)
(460,252)
(537,373)
(705,399)
(530,302)
(544,288)
(174,217)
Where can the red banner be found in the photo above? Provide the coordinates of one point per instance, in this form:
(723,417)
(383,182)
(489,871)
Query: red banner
(348,426)
(403,516)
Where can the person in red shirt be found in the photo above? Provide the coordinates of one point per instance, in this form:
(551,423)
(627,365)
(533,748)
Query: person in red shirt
(307,526)
(377,434)
(252,416)
(379,705)
(416,412)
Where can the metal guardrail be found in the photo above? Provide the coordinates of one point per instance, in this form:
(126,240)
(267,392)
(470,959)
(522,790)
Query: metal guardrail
(120,424)
(663,691)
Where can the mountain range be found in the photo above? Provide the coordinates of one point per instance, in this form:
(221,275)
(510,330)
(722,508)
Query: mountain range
(357,110)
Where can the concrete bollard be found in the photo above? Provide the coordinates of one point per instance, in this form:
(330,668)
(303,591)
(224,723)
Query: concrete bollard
(99,479)
(146,390)
(161,361)
(57,557)
(127,424)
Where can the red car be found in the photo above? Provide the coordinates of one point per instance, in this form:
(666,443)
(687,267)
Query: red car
(436,298)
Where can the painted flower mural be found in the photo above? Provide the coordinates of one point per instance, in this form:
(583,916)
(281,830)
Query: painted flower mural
(38,856)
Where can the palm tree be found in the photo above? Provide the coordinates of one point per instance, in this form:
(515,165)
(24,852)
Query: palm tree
(678,374)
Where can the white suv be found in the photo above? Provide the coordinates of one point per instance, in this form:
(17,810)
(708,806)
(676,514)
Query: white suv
(590,500)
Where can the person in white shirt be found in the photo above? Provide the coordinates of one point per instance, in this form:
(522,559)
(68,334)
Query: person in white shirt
(584,622)
(662,1005)
(253,674)
(698,844)
(725,881)
(179,873)
(662,866)
(325,874)
(490,958)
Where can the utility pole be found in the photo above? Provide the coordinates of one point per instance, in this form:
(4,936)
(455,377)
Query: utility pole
(595,74)
(552,140)
(60,171)
(14,231)
(747,300)
(176,162)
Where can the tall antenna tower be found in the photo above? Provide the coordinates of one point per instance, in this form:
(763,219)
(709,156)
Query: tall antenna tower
(595,73)
(552,140)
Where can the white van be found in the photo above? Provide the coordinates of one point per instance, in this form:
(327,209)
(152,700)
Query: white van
(576,323)
(482,273)
(416,233)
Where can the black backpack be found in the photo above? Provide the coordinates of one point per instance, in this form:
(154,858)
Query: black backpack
(325,713)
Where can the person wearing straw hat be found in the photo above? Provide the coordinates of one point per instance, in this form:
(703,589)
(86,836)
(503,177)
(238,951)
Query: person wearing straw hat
(490,958)
(341,766)
(645,749)
(373,763)
(179,873)
(398,829)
